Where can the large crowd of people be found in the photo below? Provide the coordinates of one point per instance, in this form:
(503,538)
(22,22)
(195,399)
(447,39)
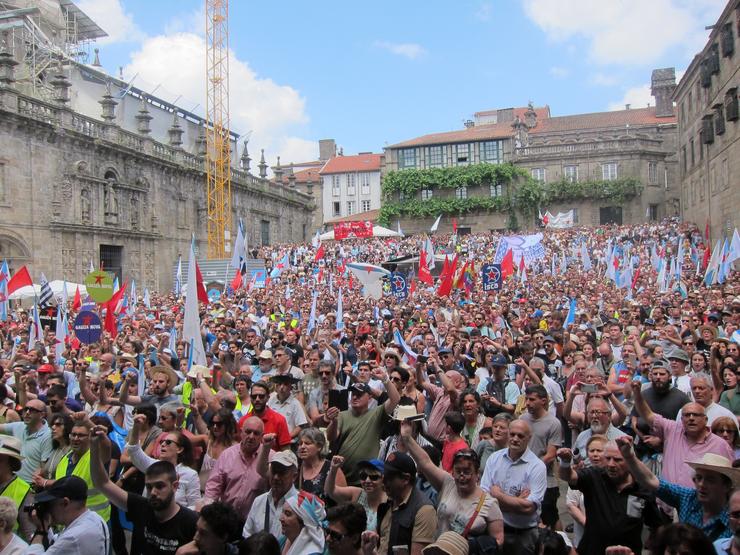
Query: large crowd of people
(568,411)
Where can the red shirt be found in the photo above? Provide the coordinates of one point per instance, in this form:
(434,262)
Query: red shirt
(274,424)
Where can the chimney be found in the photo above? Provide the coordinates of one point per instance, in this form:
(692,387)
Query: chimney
(663,84)
(327,149)
(469,123)
(627,106)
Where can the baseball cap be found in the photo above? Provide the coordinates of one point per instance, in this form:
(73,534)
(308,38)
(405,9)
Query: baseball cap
(359,387)
(499,360)
(375,464)
(400,462)
(45,369)
(71,487)
(284,458)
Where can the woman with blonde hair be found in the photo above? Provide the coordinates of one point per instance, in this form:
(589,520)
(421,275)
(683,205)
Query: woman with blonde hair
(10,544)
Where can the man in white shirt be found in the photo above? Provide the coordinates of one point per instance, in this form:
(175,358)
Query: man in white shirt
(85,533)
(284,402)
(702,390)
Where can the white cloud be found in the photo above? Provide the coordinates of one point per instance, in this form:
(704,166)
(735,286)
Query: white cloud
(633,32)
(271,111)
(603,79)
(559,72)
(113,19)
(409,50)
(483,13)
(639,96)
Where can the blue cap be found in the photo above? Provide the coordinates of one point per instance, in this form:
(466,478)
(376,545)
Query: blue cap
(499,360)
(376,464)
(538,313)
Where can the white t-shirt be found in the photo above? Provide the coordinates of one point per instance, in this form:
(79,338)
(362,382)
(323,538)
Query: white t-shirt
(454,513)
(554,392)
(86,535)
(16,547)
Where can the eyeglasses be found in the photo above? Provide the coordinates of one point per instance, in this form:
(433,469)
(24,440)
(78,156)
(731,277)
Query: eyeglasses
(31,409)
(328,373)
(78,436)
(371,477)
(688,342)
(259,395)
(168,442)
(57,424)
(217,423)
(693,415)
(719,431)
(599,412)
(333,535)
(395,379)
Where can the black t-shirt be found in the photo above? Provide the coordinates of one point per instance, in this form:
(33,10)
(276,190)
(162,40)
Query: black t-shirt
(151,537)
(614,517)
(666,405)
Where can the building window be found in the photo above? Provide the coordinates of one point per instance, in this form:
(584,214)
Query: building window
(2,181)
(492,152)
(335,209)
(570,173)
(407,158)
(350,207)
(731,105)
(653,212)
(351,180)
(335,187)
(684,162)
(435,157)
(719,119)
(365,205)
(707,128)
(462,154)
(401,196)
(727,40)
(539,174)
(609,171)
(693,153)
(461,192)
(653,173)
(265,231)
(691,102)
(714,59)
(497,190)
(365,183)
(426,194)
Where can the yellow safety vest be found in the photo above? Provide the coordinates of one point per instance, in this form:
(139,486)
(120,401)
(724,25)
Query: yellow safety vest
(16,490)
(96,501)
(187,391)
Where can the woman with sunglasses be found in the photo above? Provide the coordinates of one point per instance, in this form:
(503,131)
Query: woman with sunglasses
(175,448)
(61,426)
(726,428)
(218,437)
(463,506)
(370,495)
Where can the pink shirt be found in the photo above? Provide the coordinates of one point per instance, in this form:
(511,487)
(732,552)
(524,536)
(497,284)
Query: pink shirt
(436,426)
(234,480)
(677,449)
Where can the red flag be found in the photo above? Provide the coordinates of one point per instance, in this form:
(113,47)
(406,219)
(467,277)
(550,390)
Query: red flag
(77,301)
(445,268)
(202,295)
(412,287)
(320,277)
(454,226)
(522,266)
(507,264)
(236,283)
(707,256)
(19,279)
(635,277)
(110,323)
(445,287)
(319,253)
(424,275)
(459,280)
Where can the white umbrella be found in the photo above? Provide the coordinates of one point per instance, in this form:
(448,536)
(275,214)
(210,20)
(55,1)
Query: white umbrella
(378,231)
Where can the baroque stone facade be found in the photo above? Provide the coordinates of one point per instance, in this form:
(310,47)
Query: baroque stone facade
(75,189)
(634,143)
(709,129)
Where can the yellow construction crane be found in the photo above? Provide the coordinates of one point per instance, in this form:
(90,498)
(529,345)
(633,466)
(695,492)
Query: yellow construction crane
(218,152)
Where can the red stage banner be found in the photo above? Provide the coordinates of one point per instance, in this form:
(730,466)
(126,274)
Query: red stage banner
(343,230)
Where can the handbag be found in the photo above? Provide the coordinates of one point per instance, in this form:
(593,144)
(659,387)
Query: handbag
(483,544)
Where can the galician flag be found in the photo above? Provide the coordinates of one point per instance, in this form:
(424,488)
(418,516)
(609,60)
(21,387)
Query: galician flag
(191,326)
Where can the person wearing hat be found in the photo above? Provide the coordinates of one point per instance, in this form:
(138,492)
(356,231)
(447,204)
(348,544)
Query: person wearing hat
(448,543)
(408,517)
(13,487)
(267,507)
(263,369)
(358,428)
(679,360)
(370,495)
(64,505)
(162,381)
(706,504)
(498,392)
(284,402)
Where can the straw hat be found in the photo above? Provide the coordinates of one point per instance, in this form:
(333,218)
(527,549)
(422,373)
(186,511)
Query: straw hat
(405,412)
(717,463)
(172,378)
(196,369)
(451,543)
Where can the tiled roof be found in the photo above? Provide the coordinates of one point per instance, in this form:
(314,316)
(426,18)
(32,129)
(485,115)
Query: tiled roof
(371,215)
(356,163)
(597,120)
(542,112)
(304,176)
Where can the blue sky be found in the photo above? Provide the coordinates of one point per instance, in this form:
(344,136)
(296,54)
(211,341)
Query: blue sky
(371,74)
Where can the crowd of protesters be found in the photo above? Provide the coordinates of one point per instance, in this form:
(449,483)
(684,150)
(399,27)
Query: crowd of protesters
(558,414)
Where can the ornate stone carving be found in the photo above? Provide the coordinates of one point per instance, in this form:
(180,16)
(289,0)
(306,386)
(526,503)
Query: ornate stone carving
(110,202)
(149,274)
(134,211)
(85,206)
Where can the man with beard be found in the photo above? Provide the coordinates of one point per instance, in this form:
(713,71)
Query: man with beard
(162,382)
(598,415)
(274,422)
(663,399)
(160,525)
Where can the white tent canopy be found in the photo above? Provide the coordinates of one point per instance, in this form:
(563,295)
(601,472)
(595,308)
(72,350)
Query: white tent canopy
(31,291)
(378,231)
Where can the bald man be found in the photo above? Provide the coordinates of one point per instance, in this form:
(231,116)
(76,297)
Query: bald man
(508,475)
(35,436)
(234,478)
(686,439)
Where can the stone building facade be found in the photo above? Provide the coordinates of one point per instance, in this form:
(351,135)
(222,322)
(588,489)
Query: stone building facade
(117,191)
(635,143)
(709,129)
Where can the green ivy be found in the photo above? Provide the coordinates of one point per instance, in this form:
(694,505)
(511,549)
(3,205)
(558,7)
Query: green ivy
(411,181)
(416,208)
(616,190)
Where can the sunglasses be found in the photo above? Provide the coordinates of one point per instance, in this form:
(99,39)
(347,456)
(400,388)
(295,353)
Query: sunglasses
(258,395)
(31,409)
(168,442)
(217,423)
(328,373)
(371,477)
(333,535)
